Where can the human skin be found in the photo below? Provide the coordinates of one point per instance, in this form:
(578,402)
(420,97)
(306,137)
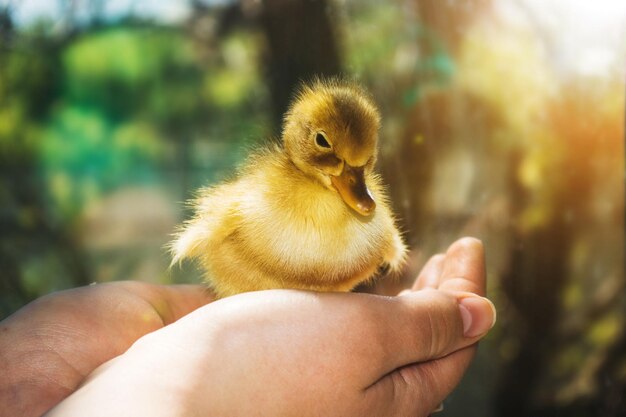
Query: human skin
(274,353)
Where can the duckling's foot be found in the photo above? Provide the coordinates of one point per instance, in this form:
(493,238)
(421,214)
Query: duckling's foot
(383,269)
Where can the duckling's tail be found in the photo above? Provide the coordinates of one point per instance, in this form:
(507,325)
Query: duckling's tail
(188,243)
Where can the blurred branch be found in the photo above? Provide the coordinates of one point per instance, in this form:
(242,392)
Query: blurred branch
(611,378)
(604,300)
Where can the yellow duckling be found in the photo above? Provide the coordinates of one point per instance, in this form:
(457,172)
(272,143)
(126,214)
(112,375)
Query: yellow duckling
(310,214)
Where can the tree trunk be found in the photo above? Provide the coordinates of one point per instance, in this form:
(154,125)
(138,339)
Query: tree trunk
(301,44)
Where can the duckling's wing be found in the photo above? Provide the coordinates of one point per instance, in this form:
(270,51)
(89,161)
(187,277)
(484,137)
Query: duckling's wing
(218,210)
(216,216)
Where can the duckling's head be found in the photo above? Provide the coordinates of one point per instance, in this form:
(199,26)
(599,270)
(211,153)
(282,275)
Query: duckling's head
(330,133)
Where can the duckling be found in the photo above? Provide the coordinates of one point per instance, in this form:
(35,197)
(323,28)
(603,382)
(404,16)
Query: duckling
(311,214)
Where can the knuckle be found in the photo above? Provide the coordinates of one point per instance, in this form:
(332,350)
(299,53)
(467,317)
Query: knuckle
(443,325)
(462,284)
(469,243)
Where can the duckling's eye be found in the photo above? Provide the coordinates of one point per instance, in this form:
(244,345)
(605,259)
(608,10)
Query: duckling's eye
(321,141)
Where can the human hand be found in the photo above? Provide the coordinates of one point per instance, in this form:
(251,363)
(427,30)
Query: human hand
(301,353)
(48,347)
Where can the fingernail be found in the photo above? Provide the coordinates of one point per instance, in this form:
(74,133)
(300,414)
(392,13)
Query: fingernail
(478,315)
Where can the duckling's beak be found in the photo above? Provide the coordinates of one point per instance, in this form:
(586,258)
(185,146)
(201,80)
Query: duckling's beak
(352,188)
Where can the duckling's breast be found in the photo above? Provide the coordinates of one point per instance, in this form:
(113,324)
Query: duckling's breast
(301,231)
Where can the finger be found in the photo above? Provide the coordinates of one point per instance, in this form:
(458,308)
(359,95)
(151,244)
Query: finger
(464,267)
(441,376)
(429,275)
(385,333)
(430,324)
(419,388)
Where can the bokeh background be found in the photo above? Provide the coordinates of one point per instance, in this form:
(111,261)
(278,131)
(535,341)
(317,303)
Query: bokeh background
(502,119)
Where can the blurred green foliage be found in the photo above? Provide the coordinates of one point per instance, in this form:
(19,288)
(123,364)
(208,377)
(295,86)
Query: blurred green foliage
(83,115)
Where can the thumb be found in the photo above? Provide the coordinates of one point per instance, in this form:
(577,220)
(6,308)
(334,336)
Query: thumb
(430,324)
